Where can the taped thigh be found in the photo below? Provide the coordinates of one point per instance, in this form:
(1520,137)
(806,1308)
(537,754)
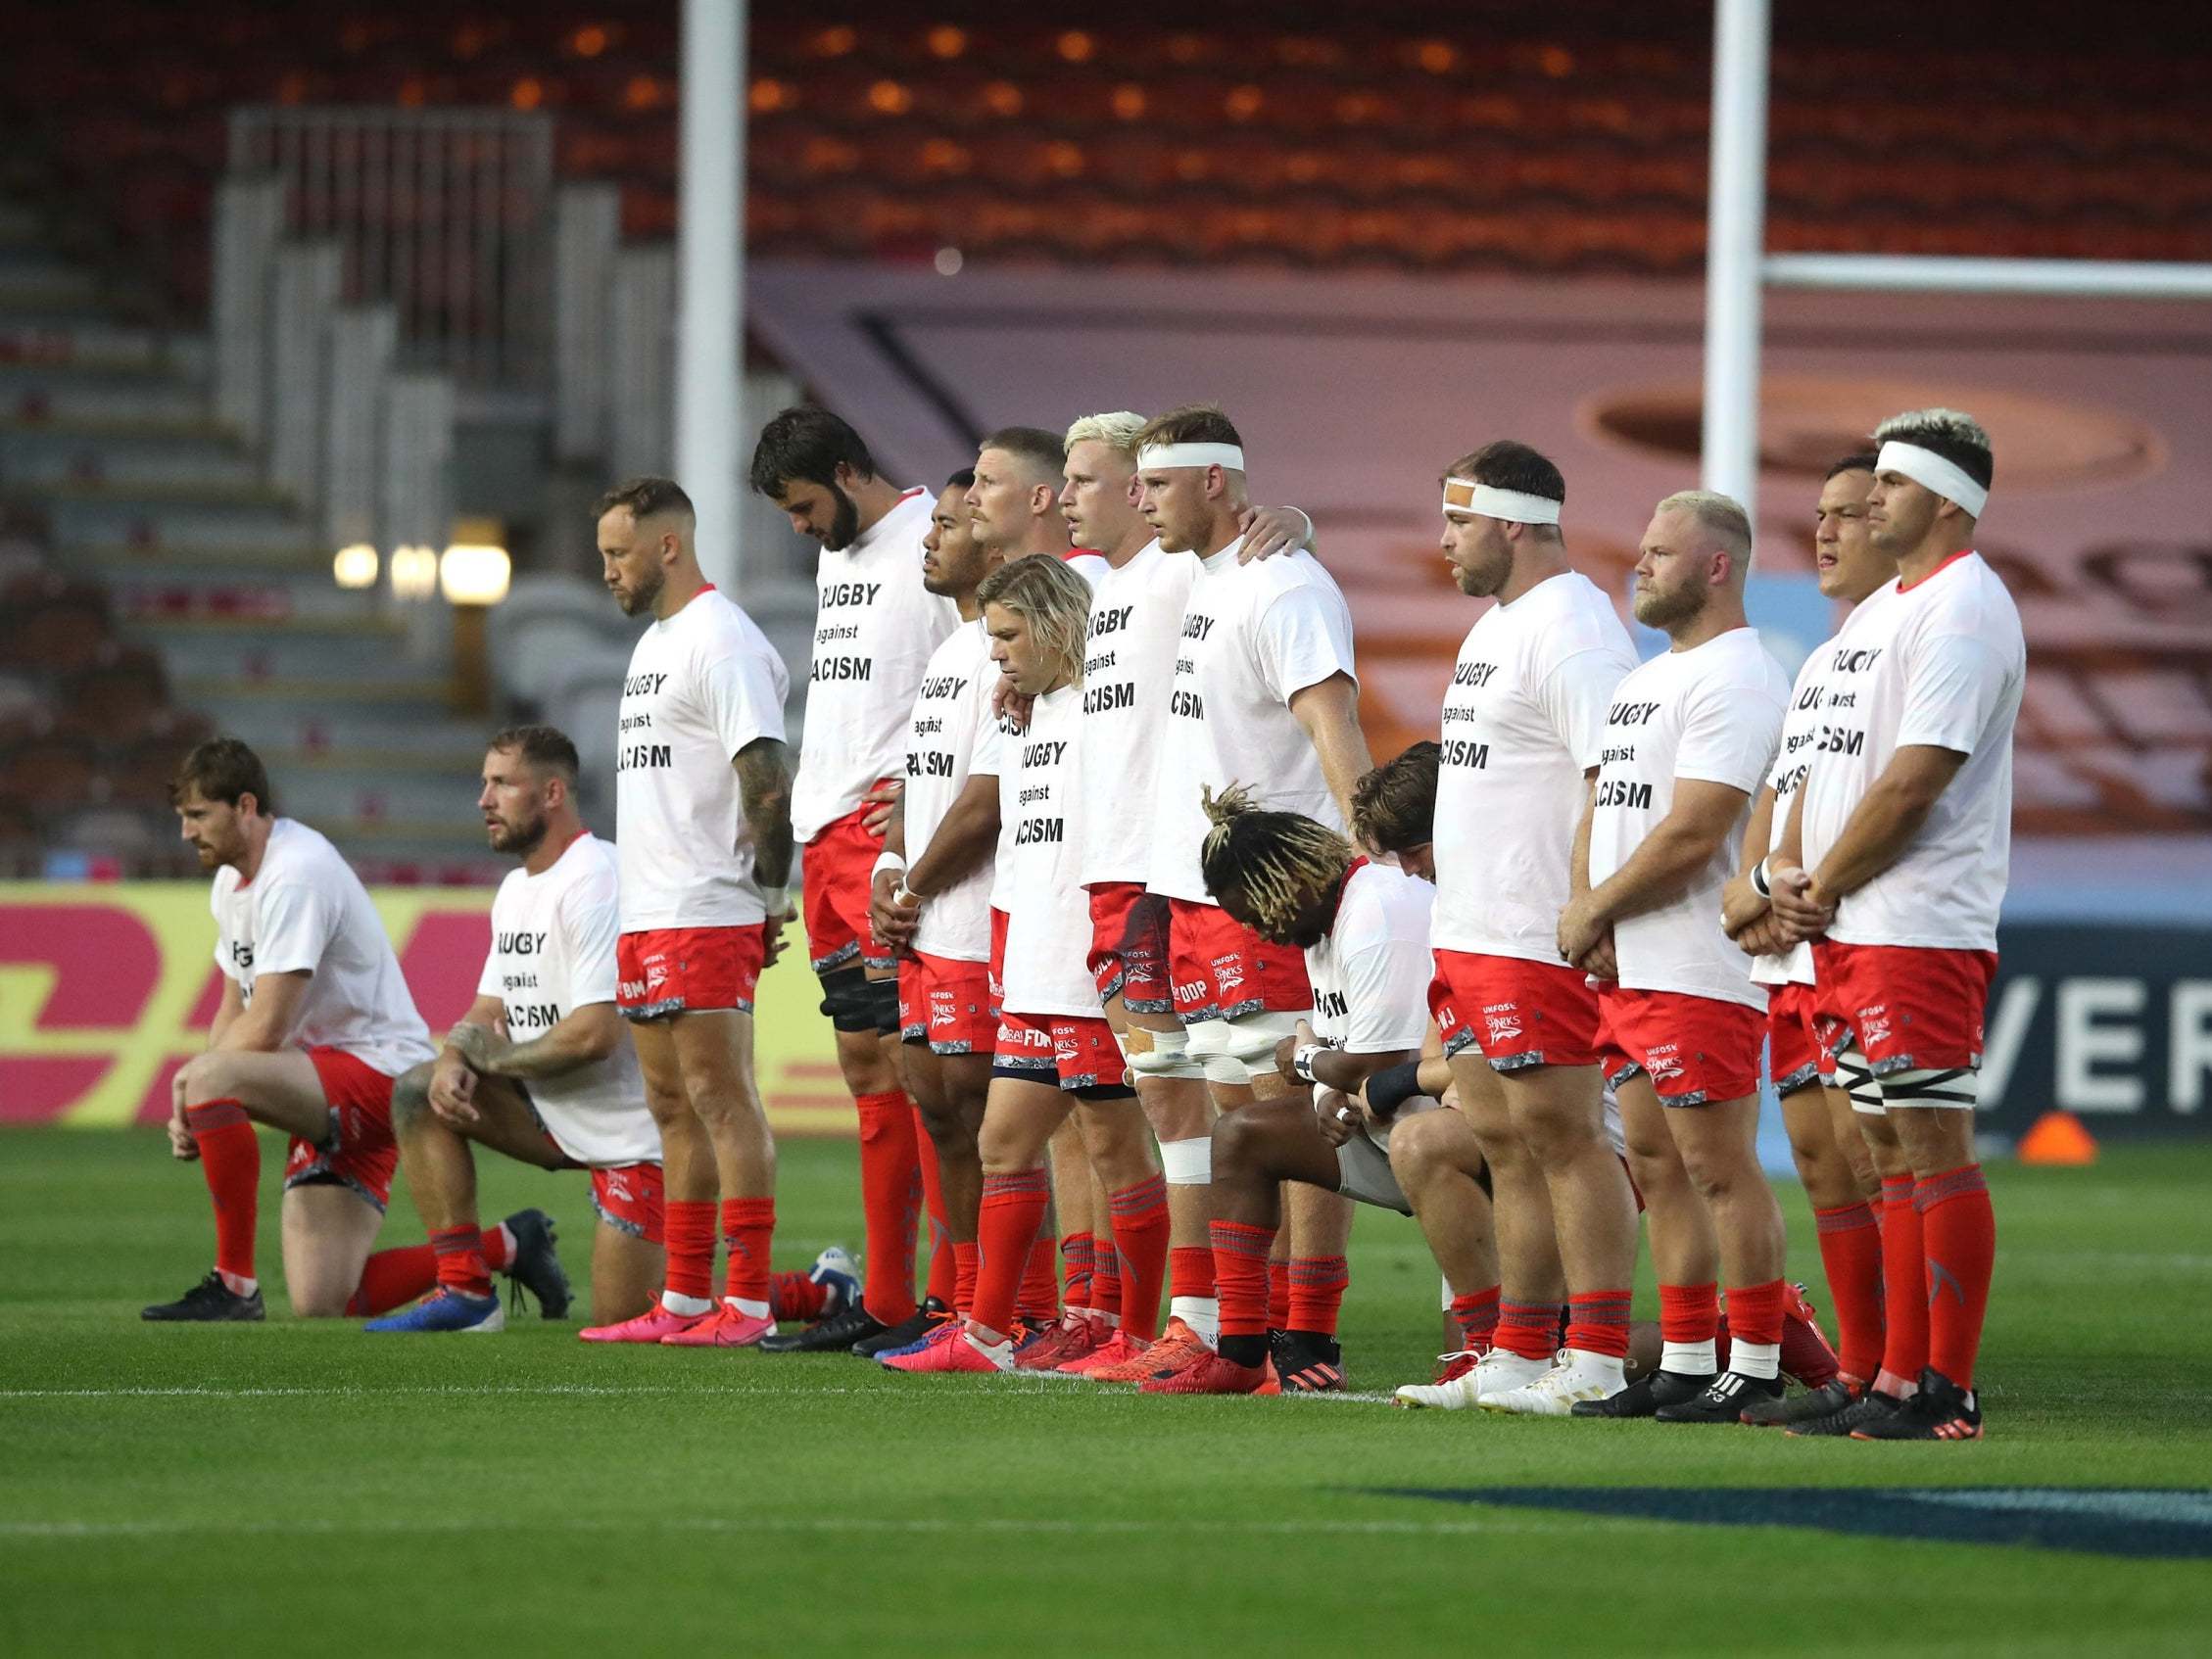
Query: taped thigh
(1159,1054)
(850,1003)
(1856,1079)
(1956,1088)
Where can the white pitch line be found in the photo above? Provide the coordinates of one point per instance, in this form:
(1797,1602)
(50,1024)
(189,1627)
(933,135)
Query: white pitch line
(1069,1388)
(931,1526)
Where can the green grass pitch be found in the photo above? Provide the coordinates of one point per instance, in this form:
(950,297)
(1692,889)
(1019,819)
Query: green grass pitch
(296,1486)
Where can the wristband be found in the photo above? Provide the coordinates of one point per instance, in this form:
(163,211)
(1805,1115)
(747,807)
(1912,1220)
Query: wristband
(902,896)
(1758,880)
(1302,1059)
(886,859)
(1393,1086)
(776,901)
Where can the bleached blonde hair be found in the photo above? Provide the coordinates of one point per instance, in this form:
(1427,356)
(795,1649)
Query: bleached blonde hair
(1117,430)
(1722,517)
(1052,598)
(1280,861)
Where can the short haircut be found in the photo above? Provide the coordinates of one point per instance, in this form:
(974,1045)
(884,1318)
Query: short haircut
(1957,438)
(1721,517)
(1054,599)
(1037,449)
(225,770)
(964,479)
(647,497)
(1117,430)
(1194,423)
(1280,862)
(546,747)
(807,444)
(1508,465)
(1860,460)
(1394,806)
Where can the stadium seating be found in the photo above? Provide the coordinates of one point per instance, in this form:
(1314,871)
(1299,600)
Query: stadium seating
(1571,141)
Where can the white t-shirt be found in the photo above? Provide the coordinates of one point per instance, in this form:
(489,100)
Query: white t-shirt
(1940,664)
(1092,567)
(1801,728)
(1372,970)
(952,729)
(1253,637)
(702,685)
(1523,721)
(1049,913)
(553,953)
(1129,660)
(875,627)
(306,910)
(1713,715)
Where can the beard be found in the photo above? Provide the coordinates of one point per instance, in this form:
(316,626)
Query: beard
(844,526)
(645,594)
(521,839)
(1666,611)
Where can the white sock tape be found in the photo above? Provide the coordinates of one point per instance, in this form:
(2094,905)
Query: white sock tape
(1927,468)
(1158,456)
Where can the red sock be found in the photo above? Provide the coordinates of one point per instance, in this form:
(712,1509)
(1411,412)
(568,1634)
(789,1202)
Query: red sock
(1139,1219)
(1529,1329)
(1190,1271)
(1012,1210)
(688,1226)
(1754,1312)
(1597,1322)
(497,1245)
(1240,1273)
(1278,1295)
(1689,1313)
(461,1264)
(1958,1233)
(1905,1283)
(1317,1292)
(964,1260)
(1850,1255)
(1477,1316)
(1039,1302)
(891,1193)
(1077,1252)
(230,1158)
(1106,1278)
(749,1227)
(941,1284)
(393,1278)
(793,1296)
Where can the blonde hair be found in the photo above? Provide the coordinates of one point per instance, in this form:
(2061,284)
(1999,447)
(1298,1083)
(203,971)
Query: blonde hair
(1280,861)
(1117,430)
(1053,600)
(1721,517)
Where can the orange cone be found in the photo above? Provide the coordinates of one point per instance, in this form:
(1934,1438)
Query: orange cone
(2057,1137)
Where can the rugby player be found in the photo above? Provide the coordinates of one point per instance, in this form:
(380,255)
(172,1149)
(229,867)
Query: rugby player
(873,632)
(1364,928)
(703,794)
(1262,692)
(314,1025)
(1688,737)
(932,891)
(1129,656)
(1896,864)
(1836,1164)
(540,1067)
(1055,1051)
(1521,735)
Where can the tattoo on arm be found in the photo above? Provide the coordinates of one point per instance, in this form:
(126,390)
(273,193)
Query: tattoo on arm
(764,785)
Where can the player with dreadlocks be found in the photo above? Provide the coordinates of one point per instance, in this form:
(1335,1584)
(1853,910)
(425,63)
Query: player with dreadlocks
(1364,928)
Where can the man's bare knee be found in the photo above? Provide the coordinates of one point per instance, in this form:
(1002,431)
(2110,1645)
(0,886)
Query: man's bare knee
(411,1098)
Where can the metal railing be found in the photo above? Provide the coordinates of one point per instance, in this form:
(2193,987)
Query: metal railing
(445,213)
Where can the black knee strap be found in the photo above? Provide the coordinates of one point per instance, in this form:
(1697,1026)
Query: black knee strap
(849,1000)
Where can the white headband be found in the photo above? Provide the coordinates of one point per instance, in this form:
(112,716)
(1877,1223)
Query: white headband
(1488,501)
(1154,456)
(1926,467)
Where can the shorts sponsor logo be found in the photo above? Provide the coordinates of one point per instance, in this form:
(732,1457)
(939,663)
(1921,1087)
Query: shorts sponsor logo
(617,1186)
(1663,1060)
(631,989)
(1503,1021)
(1228,972)
(1191,991)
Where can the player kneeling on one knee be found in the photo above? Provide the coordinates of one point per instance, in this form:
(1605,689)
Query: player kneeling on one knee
(1364,928)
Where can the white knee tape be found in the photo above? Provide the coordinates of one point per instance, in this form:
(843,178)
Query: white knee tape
(1253,1038)
(1159,1054)
(1187,1164)
(1209,1041)
(1957,1087)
